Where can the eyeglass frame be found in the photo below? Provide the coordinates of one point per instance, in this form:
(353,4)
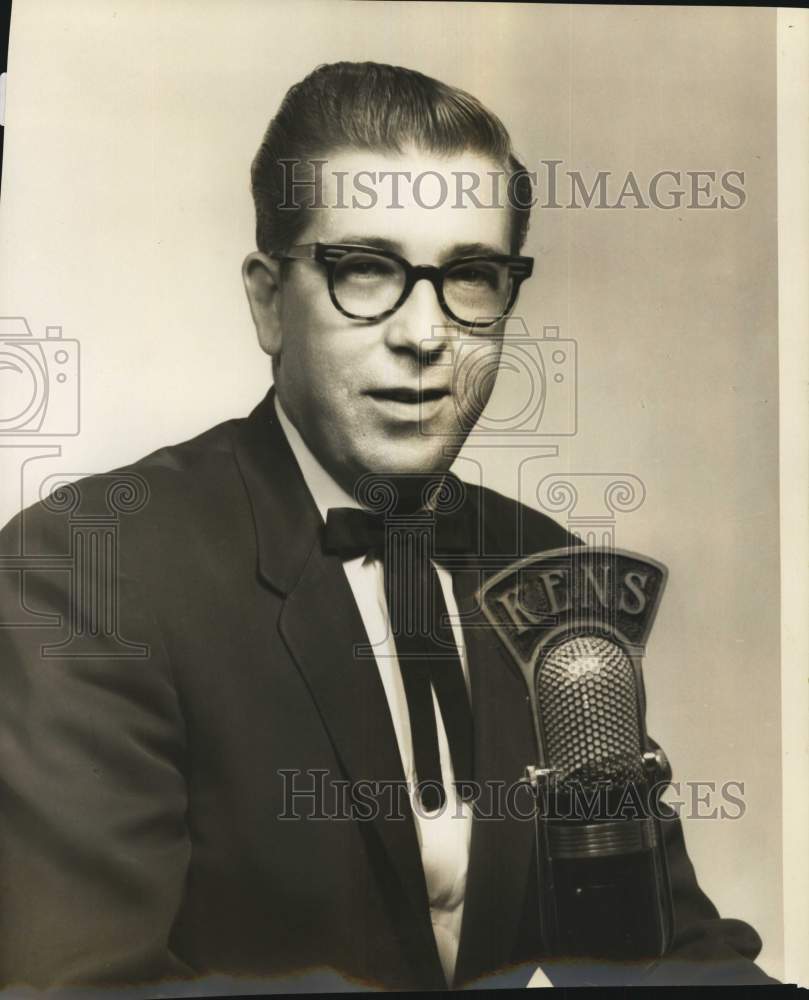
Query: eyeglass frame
(329,254)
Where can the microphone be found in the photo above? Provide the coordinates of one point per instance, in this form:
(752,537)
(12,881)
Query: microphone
(576,622)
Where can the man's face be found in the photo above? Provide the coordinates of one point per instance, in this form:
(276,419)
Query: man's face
(351,387)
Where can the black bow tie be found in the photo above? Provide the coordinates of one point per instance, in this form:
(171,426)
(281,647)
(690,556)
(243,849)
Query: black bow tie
(350,532)
(449,524)
(407,540)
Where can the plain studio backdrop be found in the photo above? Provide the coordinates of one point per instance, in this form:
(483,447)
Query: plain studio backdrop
(126,214)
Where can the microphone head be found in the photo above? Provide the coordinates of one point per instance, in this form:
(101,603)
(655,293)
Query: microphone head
(587,704)
(575,622)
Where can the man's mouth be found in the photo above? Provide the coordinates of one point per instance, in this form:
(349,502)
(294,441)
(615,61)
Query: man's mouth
(405,395)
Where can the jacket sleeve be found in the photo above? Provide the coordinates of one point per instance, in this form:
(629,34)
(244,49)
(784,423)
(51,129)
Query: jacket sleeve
(707,949)
(93,841)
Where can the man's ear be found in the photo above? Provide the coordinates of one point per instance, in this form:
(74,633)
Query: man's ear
(261,275)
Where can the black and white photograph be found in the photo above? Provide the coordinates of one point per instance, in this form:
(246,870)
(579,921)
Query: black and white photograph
(403,489)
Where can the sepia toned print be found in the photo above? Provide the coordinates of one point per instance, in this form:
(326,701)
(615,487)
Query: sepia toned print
(443,650)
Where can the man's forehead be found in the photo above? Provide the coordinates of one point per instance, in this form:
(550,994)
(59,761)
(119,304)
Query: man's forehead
(411,158)
(414,202)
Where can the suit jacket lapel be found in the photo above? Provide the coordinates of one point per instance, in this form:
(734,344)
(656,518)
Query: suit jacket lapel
(322,628)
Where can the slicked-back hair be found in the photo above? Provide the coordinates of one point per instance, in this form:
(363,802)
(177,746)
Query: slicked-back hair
(376,107)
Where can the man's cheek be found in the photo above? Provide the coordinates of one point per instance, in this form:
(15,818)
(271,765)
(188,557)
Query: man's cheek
(474,375)
(470,399)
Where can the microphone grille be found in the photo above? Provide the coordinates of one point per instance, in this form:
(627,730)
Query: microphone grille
(588,712)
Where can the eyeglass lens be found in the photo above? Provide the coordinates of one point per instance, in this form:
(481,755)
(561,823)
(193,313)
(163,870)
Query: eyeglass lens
(367,285)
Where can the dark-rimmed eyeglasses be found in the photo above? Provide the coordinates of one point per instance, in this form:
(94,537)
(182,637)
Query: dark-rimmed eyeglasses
(369,284)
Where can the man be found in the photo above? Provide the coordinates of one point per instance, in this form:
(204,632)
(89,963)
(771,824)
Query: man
(174,815)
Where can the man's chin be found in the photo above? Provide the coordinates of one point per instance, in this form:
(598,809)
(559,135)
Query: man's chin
(417,464)
(400,463)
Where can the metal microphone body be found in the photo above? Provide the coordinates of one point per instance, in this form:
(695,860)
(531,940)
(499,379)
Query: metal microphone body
(607,891)
(575,622)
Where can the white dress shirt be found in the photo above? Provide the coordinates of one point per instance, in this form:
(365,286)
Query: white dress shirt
(444,835)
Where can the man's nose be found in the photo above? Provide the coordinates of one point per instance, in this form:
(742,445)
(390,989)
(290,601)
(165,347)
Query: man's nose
(419,324)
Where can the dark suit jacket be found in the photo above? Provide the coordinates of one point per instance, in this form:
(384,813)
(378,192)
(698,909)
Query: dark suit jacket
(141,796)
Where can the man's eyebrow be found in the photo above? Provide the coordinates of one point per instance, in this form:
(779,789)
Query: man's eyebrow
(450,253)
(474,250)
(377,242)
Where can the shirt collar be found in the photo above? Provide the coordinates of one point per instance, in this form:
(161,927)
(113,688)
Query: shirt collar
(325,491)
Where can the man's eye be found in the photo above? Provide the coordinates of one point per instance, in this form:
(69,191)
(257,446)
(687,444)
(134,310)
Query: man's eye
(365,269)
(475,275)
